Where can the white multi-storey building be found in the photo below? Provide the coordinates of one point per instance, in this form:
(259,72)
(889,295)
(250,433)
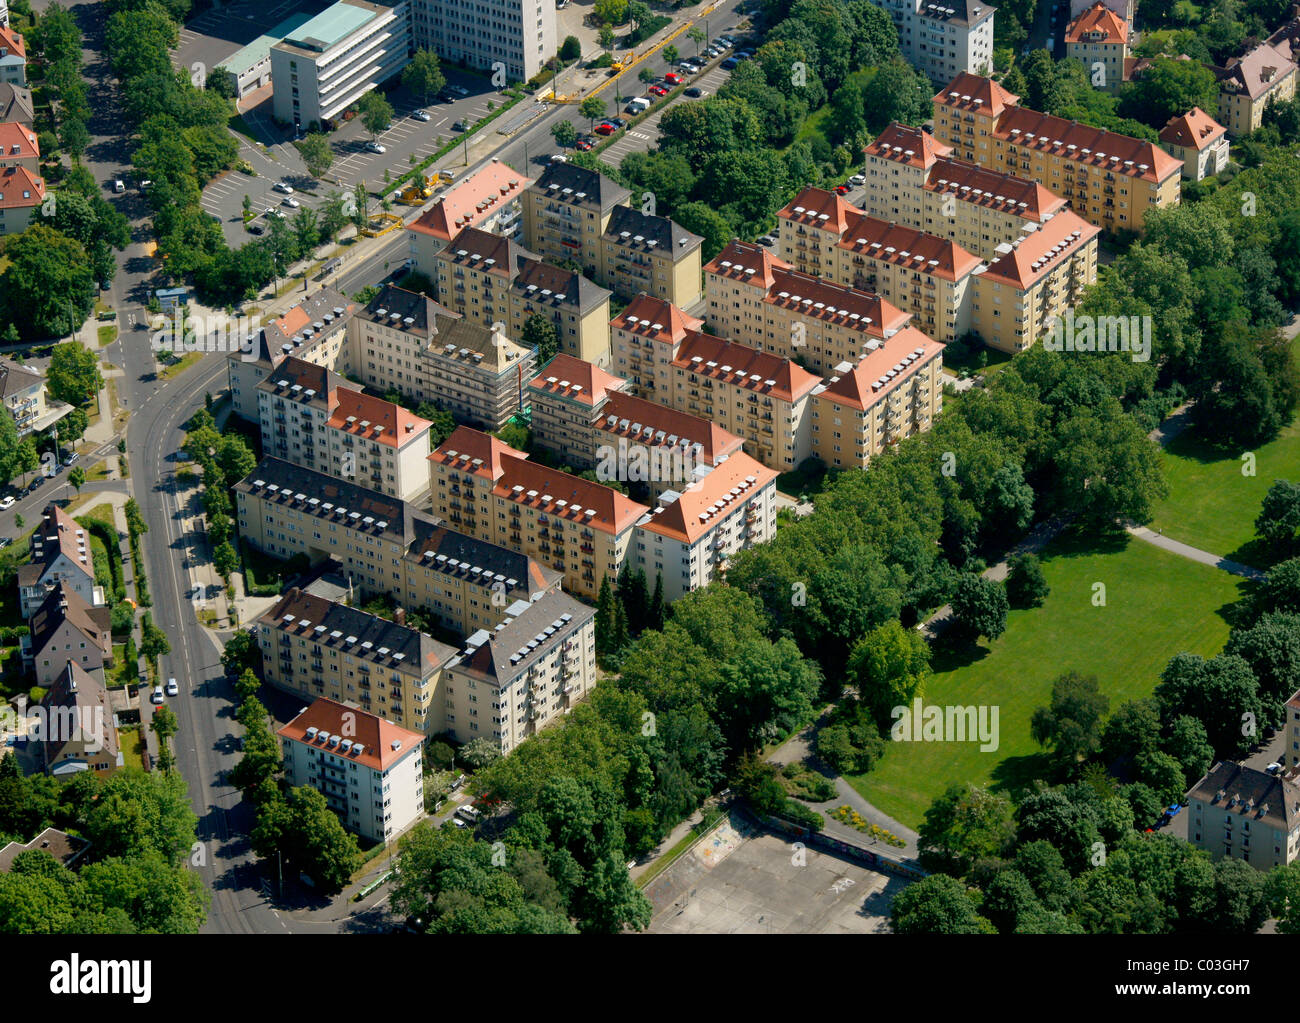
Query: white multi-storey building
(519,34)
(944,37)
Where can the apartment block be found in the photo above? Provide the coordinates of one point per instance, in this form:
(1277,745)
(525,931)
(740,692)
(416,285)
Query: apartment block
(66,630)
(757,299)
(580,528)
(755,395)
(78,731)
(565,398)
(518,35)
(309,417)
(60,557)
(489,199)
(408,342)
(692,532)
(1035,280)
(315,330)
(328,63)
(1199,141)
(1099,39)
(1240,812)
(370,771)
(21,195)
(1110,180)
(492,281)
(572,213)
(912,180)
(507,684)
(321,648)
(1249,83)
(943,39)
(894,392)
(22,392)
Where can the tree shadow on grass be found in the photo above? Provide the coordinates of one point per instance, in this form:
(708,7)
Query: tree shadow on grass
(1018,774)
(950,654)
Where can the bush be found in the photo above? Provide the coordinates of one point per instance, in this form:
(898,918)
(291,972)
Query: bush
(851,744)
(799,814)
(123,617)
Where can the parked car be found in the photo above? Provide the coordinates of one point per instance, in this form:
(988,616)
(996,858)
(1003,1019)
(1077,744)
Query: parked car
(469,813)
(172,688)
(255,228)
(657,90)
(730,64)
(559,158)
(280,186)
(375,147)
(694,92)
(1274,768)
(459,823)
(71,458)
(291,202)
(618,123)
(605,128)
(37,482)
(689,68)
(460,126)
(585,143)
(119,186)
(157,698)
(672,79)
(7,502)
(422,115)
(858,180)
(841,189)
(766,240)
(458,90)
(5,541)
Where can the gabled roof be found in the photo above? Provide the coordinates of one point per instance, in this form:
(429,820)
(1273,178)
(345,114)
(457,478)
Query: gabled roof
(12,42)
(1250,793)
(566,497)
(436,545)
(388,423)
(328,499)
(742,366)
(1193,130)
(64,605)
(60,533)
(857,387)
(1257,73)
(65,848)
(992,189)
(821,299)
(294,377)
(1098,24)
(976,94)
(87,693)
(747,263)
(18,142)
(19,189)
(1037,254)
(901,143)
(907,247)
(627,411)
(566,287)
(16,103)
(820,208)
(16,378)
(394,306)
(382,742)
(1123,154)
(567,182)
(507,652)
(473,451)
(486,253)
(633,229)
(576,380)
(655,318)
(472,201)
(695,511)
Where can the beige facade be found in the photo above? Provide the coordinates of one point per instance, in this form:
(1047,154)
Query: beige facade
(565,397)
(1236,811)
(1110,180)
(22,390)
(65,629)
(1248,84)
(1099,39)
(1199,141)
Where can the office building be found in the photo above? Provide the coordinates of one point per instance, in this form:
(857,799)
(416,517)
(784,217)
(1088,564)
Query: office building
(518,35)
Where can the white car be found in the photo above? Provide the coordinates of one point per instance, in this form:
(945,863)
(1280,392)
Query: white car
(422,115)
(291,202)
(559,158)
(157,698)
(375,147)
(7,502)
(280,186)
(172,688)
(459,90)
(858,179)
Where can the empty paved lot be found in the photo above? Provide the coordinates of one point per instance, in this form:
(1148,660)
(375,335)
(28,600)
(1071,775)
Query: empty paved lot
(740,881)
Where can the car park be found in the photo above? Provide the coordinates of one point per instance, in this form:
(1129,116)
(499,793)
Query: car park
(585,143)
(280,186)
(458,90)
(730,63)
(157,698)
(605,129)
(375,147)
(858,180)
(291,202)
(172,688)
(422,115)
(255,228)
(618,123)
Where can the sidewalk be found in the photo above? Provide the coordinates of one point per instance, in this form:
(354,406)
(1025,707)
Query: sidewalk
(1195,554)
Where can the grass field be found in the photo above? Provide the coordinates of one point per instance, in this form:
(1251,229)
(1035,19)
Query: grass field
(1211,505)
(1157,605)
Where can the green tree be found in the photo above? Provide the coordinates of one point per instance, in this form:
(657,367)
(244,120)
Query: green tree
(376,113)
(1278,522)
(48,285)
(979,607)
(1071,724)
(964,826)
(77,477)
(423,75)
(73,375)
(1026,584)
(565,133)
(480,752)
(591,108)
(225,560)
(570,49)
(316,153)
(937,905)
(541,333)
(303,829)
(890,667)
(153,641)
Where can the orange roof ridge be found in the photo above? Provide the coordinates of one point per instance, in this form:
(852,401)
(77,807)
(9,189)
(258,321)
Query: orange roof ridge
(577,379)
(645,313)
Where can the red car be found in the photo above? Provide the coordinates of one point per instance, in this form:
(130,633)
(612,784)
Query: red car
(842,189)
(585,144)
(672,78)
(604,129)
(658,90)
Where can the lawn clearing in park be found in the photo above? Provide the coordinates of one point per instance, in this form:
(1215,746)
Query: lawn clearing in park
(1157,605)
(1211,505)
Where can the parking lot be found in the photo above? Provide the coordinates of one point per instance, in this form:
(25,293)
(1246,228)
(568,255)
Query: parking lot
(645,136)
(742,881)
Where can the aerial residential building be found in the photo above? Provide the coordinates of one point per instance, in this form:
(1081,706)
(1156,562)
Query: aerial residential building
(756,299)
(22,390)
(65,848)
(315,330)
(1240,812)
(694,530)
(565,398)
(325,65)
(912,180)
(518,35)
(16,105)
(1248,84)
(1035,280)
(894,392)
(60,555)
(370,771)
(19,148)
(492,281)
(66,630)
(576,526)
(311,418)
(1109,179)
(421,349)
(321,648)
(21,195)
(943,38)
(78,729)
(1099,38)
(1122,8)
(13,57)
(1199,141)
(489,199)
(636,335)
(566,211)
(508,683)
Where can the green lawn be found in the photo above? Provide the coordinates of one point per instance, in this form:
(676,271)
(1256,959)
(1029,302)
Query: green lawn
(1211,505)
(1157,605)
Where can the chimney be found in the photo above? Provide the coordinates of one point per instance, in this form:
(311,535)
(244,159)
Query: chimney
(399,616)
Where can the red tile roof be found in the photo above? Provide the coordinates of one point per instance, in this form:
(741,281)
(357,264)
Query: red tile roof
(17,142)
(644,314)
(817,207)
(692,515)
(1097,20)
(752,264)
(465,445)
(993,189)
(1042,251)
(472,201)
(376,736)
(745,367)
(912,146)
(855,388)
(576,380)
(18,188)
(976,94)
(13,42)
(820,299)
(566,497)
(388,423)
(714,441)
(1083,144)
(907,247)
(1193,130)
